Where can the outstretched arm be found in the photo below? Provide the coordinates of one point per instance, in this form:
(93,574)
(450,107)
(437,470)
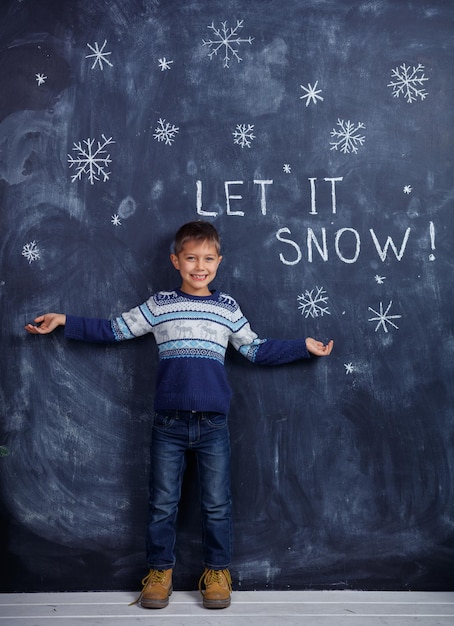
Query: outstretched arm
(318,348)
(45,324)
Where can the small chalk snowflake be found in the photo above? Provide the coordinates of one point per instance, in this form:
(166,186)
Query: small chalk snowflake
(409,82)
(408,189)
(164,64)
(165,132)
(31,251)
(228,40)
(348,138)
(383,318)
(349,368)
(99,55)
(312,93)
(116,220)
(92,159)
(314,303)
(287,169)
(243,135)
(40,79)
(379,279)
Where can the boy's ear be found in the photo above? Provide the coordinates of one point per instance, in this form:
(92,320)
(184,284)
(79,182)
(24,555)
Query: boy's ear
(174,260)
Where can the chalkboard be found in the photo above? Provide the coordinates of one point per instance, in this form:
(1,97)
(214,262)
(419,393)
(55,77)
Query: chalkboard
(317,136)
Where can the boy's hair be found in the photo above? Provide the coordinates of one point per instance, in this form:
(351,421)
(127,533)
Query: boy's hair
(196,231)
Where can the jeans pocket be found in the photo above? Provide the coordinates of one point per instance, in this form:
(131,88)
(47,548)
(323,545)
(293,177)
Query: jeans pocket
(162,422)
(217,420)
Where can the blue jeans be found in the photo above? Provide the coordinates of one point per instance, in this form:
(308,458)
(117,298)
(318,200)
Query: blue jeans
(175,432)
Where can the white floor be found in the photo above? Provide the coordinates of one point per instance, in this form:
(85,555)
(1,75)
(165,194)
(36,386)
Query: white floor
(249,608)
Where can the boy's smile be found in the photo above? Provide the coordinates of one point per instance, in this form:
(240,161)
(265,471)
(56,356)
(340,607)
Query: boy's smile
(197,263)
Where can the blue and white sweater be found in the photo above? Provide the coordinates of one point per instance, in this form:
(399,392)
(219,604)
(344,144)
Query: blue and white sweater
(192,334)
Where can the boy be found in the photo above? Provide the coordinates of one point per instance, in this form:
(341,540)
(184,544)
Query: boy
(192,327)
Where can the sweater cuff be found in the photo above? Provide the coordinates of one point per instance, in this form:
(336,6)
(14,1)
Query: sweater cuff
(73,327)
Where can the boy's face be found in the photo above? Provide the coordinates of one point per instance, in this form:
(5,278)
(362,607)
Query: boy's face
(197,263)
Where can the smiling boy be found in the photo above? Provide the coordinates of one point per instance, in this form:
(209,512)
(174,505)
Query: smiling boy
(192,326)
(198,264)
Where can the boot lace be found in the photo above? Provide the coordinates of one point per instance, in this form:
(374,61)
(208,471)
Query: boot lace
(153,576)
(211,576)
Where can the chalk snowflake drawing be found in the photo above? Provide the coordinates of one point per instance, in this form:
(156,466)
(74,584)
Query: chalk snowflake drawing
(407,189)
(99,55)
(116,220)
(92,159)
(228,40)
(409,82)
(383,318)
(348,137)
(349,368)
(287,169)
(379,279)
(165,132)
(31,251)
(40,79)
(243,135)
(164,64)
(314,303)
(312,93)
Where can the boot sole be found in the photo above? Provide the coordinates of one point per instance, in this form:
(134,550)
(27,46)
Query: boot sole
(216,604)
(155,604)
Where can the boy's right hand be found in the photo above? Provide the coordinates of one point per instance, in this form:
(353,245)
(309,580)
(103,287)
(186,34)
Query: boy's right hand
(47,323)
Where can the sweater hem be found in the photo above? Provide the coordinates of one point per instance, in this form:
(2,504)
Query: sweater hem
(178,402)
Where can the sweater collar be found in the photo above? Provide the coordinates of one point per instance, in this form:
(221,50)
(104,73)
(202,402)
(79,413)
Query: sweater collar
(214,295)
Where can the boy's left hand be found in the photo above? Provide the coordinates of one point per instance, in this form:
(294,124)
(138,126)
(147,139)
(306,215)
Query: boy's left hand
(318,348)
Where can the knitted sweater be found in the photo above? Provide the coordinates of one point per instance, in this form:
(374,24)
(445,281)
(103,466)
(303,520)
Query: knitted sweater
(192,334)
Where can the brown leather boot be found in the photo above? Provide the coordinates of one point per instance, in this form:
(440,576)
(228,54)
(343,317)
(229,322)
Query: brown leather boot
(157,588)
(218,586)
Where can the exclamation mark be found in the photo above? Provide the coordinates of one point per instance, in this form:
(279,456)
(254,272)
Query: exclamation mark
(432,240)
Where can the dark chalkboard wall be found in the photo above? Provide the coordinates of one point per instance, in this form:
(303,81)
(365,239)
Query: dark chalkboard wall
(317,136)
